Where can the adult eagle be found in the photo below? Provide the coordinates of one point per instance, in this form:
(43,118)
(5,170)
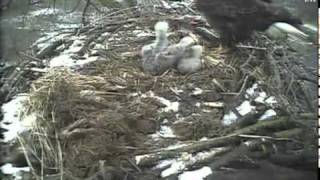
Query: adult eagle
(235,20)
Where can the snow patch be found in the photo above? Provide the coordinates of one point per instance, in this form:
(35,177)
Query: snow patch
(198,104)
(165,132)
(245,108)
(251,91)
(175,167)
(261,97)
(65,60)
(44,12)
(188,159)
(203,139)
(11,118)
(164,163)
(271,101)
(199,174)
(229,118)
(14,171)
(252,94)
(197,91)
(170,106)
(99,46)
(268,114)
(75,47)
(140,157)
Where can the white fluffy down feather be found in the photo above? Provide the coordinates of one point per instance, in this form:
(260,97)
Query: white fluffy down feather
(191,61)
(159,56)
(150,53)
(161,42)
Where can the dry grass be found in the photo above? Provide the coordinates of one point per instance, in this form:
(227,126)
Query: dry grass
(100,114)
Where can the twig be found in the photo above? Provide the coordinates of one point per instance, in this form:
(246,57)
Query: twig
(251,47)
(85,11)
(60,156)
(27,157)
(244,85)
(30,56)
(75,7)
(263,137)
(134,165)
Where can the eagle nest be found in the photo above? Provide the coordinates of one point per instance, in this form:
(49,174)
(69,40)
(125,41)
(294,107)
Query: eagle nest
(101,119)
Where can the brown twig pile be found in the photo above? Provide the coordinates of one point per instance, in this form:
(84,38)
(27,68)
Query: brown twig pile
(98,118)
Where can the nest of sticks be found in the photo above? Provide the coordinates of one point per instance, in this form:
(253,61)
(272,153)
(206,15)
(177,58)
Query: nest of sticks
(94,120)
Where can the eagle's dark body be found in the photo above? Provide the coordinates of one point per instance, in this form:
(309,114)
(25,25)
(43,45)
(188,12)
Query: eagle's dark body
(237,19)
